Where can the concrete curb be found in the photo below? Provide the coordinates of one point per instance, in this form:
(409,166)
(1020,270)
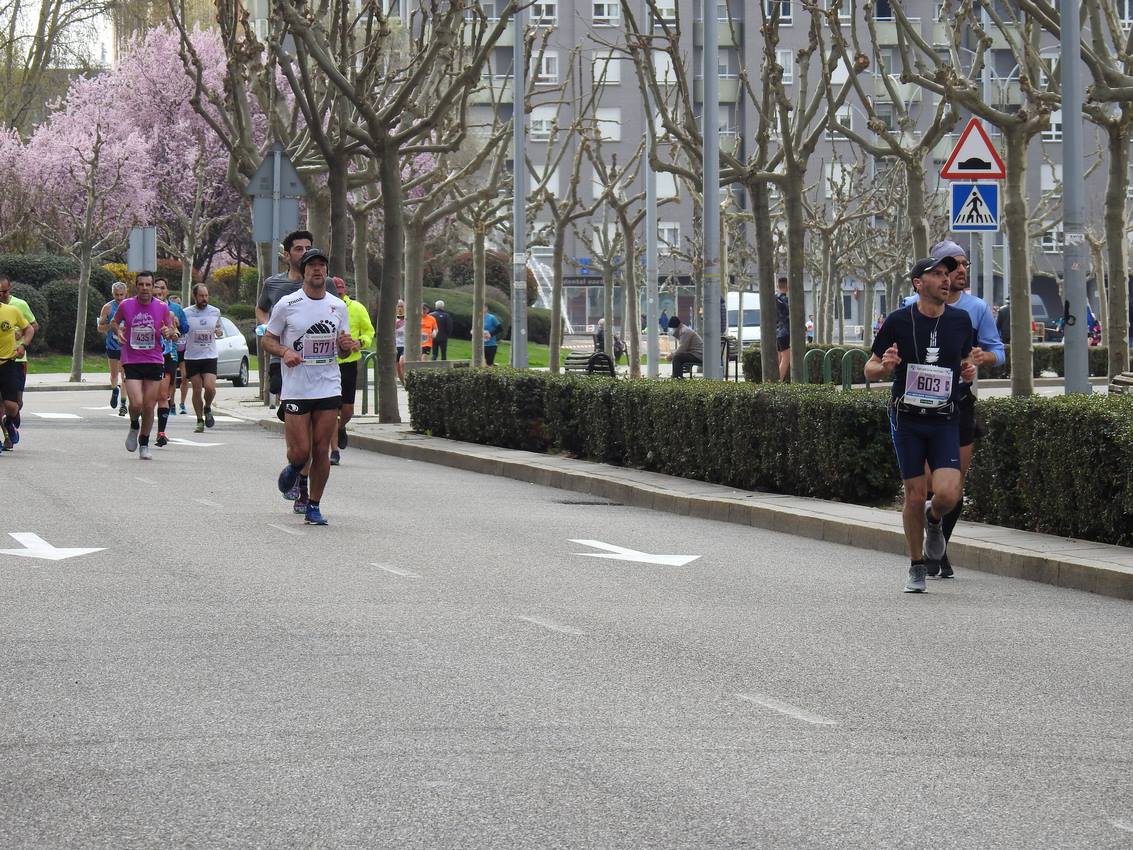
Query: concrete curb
(1077,565)
(65,388)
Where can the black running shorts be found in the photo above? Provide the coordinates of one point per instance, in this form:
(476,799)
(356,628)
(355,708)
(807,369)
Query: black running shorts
(303,406)
(143,371)
(200,367)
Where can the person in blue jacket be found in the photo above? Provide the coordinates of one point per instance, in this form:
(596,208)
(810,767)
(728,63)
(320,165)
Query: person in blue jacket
(493,327)
(987,351)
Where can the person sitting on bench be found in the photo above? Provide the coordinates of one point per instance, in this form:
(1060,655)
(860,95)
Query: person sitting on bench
(690,347)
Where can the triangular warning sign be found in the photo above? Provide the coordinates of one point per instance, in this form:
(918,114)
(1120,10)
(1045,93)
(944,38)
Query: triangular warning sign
(974,157)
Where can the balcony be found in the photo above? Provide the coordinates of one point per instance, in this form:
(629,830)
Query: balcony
(730,34)
(507,37)
(492,90)
(729,90)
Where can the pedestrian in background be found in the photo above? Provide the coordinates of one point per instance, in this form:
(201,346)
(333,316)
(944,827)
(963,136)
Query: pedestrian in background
(493,327)
(444,330)
(783,329)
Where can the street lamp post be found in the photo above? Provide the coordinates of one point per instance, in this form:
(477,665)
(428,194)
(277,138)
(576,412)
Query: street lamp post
(519,190)
(710,133)
(1075,252)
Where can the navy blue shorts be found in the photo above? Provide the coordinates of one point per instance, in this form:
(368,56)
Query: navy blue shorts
(920,439)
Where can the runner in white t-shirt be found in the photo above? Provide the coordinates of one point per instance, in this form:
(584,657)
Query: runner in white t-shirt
(201,354)
(309,331)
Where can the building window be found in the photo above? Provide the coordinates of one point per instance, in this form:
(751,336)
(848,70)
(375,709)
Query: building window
(666,12)
(887,114)
(607,14)
(609,122)
(1053,133)
(883,10)
(1125,14)
(1051,177)
(545,13)
(835,177)
(1053,240)
(542,123)
(786,60)
(548,71)
(722,13)
(668,236)
(488,7)
(783,7)
(844,115)
(607,69)
(664,68)
(666,185)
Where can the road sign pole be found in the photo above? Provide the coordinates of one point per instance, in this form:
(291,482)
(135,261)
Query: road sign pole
(1075,253)
(710,208)
(519,197)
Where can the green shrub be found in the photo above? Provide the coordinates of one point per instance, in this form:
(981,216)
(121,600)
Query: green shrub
(801,440)
(1061,465)
(38,269)
(539,326)
(38,305)
(62,297)
(497,273)
(459,304)
(224,285)
(236,312)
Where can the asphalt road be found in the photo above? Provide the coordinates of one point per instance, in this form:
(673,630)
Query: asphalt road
(442,667)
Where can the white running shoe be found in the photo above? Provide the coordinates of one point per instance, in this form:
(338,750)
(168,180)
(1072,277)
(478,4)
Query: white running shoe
(132,440)
(144,453)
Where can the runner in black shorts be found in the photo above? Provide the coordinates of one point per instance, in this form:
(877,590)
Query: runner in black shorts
(987,350)
(924,347)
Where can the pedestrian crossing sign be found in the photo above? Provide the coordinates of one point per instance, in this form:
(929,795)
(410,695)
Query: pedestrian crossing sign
(975,207)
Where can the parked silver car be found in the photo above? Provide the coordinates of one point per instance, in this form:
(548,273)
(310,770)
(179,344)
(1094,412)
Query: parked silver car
(232,355)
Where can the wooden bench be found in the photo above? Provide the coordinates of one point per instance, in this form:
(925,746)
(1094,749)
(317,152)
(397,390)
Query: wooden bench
(592,363)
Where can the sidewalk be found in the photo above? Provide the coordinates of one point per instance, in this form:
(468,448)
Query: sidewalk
(1075,564)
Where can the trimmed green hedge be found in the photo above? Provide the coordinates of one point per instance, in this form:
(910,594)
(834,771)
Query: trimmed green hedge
(1047,357)
(62,297)
(1061,465)
(800,440)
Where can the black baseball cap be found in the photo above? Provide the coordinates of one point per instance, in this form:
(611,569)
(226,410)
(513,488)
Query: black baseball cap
(312,254)
(919,267)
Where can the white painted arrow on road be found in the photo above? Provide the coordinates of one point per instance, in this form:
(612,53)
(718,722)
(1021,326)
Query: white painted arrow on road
(621,553)
(36,547)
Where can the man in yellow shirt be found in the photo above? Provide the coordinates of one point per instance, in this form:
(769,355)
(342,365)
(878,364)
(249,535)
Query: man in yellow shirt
(361,329)
(16,333)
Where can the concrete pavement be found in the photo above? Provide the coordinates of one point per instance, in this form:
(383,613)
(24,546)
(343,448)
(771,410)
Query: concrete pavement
(1077,564)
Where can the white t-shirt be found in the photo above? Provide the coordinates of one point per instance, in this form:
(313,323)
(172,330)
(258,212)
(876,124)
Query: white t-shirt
(201,339)
(311,327)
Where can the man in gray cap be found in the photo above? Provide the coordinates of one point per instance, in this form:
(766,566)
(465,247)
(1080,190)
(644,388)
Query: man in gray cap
(987,350)
(925,348)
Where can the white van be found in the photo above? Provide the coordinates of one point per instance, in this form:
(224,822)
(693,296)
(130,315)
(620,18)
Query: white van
(750,316)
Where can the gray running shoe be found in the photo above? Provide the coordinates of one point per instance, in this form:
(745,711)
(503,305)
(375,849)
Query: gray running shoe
(144,453)
(934,542)
(132,440)
(916,583)
(946,568)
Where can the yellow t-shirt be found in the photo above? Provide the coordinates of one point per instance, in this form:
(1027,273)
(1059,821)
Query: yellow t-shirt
(12,321)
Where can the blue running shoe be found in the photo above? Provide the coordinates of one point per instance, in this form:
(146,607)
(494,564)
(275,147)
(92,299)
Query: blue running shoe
(300,506)
(314,517)
(288,478)
(292,494)
(13,433)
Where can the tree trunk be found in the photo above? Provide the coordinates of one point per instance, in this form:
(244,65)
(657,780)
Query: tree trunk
(81,317)
(608,308)
(796,267)
(318,217)
(631,324)
(867,314)
(765,273)
(1015,216)
(914,204)
(389,171)
(339,215)
(414,277)
(557,298)
(479,278)
(362,259)
(188,251)
(1117,328)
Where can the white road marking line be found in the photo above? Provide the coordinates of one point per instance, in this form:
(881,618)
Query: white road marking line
(183,442)
(100,407)
(223,418)
(208,503)
(285,529)
(787,709)
(144,480)
(554,627)
(1123,825)
(56,415)
(396,571)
